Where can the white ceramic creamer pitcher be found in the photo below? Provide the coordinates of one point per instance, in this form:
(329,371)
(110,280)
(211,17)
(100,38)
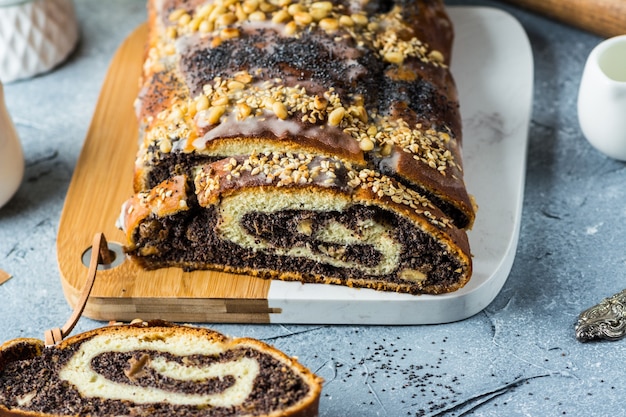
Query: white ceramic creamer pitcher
(11,156)
(602,98)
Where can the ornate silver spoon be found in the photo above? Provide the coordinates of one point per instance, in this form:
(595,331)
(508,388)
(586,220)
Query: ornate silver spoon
(607,320)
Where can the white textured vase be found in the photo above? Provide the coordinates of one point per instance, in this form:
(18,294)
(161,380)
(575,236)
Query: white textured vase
(35,36)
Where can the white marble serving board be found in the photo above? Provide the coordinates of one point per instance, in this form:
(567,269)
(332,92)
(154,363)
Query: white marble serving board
(493,68)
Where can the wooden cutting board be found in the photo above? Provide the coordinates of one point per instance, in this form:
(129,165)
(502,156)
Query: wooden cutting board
(498,93)
(102,181)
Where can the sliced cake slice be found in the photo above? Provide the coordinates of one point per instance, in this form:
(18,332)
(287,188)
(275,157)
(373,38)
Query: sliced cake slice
(153,369)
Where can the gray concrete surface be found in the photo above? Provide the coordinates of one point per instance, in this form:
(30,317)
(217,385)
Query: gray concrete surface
(518,357)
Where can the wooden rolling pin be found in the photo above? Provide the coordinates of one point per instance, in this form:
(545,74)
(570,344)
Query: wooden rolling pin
(603,17)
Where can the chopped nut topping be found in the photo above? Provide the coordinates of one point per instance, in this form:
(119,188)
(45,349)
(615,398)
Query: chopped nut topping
(137,367)
(286,169)
(246,98)
(336,116)
(242,97)
(376,31)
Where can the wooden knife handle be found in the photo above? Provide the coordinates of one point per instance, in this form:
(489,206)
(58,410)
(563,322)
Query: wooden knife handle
(603,17)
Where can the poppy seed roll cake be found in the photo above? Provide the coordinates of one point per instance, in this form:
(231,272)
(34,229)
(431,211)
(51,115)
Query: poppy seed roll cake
(153,369)
(317,141)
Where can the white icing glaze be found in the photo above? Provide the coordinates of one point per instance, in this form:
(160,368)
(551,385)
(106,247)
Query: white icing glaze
(120,222)
(253,127)
(390,163)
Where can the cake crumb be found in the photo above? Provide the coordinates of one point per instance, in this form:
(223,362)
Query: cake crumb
(4,276)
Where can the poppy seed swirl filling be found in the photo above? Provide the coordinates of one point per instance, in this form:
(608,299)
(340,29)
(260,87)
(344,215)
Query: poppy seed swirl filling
(150,376)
